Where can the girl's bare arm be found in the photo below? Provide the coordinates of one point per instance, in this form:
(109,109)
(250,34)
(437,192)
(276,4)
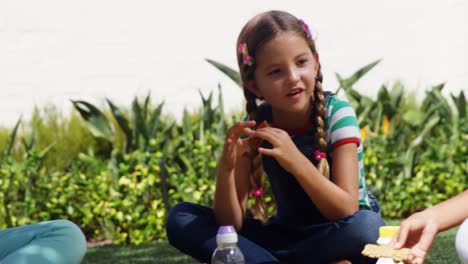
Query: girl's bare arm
(232,177)
(231,194)
(339,197)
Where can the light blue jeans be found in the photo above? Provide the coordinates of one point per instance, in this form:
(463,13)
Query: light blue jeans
(52,242)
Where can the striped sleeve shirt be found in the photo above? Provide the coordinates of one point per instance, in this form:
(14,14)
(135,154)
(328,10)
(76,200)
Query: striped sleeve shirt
(342,127)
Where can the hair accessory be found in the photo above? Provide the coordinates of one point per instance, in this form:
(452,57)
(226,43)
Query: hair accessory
(246,58)
(320,155)
(257,192)
(306,28)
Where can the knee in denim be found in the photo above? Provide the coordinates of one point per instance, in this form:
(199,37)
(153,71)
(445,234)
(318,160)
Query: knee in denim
(177,219)
(371,222)
(365,227)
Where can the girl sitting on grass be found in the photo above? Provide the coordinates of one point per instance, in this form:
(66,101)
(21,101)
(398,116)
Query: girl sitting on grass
(311,152)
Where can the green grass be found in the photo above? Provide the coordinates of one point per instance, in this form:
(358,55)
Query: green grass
(159,252)
(443,251)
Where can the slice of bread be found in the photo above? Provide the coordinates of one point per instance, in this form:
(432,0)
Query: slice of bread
(255,142)
(383,251)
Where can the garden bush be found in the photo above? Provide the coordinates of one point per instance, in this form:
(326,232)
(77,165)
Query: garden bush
(117,172)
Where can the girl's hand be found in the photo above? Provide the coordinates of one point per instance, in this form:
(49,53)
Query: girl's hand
(284,150)
(417,233)
(234,146)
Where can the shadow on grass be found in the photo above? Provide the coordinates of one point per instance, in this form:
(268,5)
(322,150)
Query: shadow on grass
(443,251)
(158,252)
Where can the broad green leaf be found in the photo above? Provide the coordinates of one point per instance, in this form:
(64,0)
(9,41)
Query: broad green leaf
(396,95)
(123,124)
(427,127)
(383,95)
(460,103)
(232,74)
(139,125)
(154,120)
(413,116)
(96,121)
(28,146)
(350,81)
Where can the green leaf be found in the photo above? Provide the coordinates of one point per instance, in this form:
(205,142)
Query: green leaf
(28,146)
(222,127)
(96,121)
(427,127)
(396,95)
(11,141)
(139,125)
(154,120)
(363,116)
(232,74)
(350,81)
(187,126)
(145,109)
(45,151)
(460,103)
(383,94)
(123,124)
(413,116)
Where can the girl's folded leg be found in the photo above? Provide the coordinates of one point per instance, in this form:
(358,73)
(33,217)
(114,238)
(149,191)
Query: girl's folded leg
(191,228)
(340,240)
(52,242)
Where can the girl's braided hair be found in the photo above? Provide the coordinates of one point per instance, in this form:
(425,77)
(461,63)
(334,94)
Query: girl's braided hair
(256,33)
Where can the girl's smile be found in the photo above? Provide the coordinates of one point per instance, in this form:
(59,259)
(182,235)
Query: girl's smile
(295,93)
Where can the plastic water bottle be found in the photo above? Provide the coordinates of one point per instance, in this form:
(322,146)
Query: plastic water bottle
(227,251)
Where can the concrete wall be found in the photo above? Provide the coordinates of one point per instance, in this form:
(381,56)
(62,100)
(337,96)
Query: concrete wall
(53,51)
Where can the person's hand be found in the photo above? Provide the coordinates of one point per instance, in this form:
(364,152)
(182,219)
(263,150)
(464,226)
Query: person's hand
(234,146)
(417,233)
(284,150)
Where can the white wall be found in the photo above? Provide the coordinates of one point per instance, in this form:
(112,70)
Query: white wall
(53,51)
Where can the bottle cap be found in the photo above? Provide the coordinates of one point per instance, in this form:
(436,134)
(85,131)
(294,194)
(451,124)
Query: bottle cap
(388,231)
(226,235)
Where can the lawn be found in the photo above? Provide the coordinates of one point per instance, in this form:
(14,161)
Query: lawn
(443,251)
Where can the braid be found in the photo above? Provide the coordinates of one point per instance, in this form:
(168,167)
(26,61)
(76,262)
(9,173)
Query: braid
(256,169)
(256,180)
(251,106)
(319,110)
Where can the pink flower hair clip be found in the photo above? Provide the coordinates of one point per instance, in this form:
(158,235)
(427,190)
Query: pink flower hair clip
(320,155)
(257,192)
(246,58)
(306,28)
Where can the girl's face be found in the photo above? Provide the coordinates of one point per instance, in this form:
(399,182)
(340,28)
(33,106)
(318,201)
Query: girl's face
(285,74)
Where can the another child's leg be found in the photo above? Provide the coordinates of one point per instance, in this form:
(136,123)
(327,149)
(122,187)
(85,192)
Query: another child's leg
(340,240)
(192,229)
(52,242)
(461,242)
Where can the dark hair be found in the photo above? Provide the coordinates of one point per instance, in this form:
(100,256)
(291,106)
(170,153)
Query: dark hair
(255,34)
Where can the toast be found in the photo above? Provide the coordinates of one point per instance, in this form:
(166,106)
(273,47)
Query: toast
(255,142)
(383,251)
